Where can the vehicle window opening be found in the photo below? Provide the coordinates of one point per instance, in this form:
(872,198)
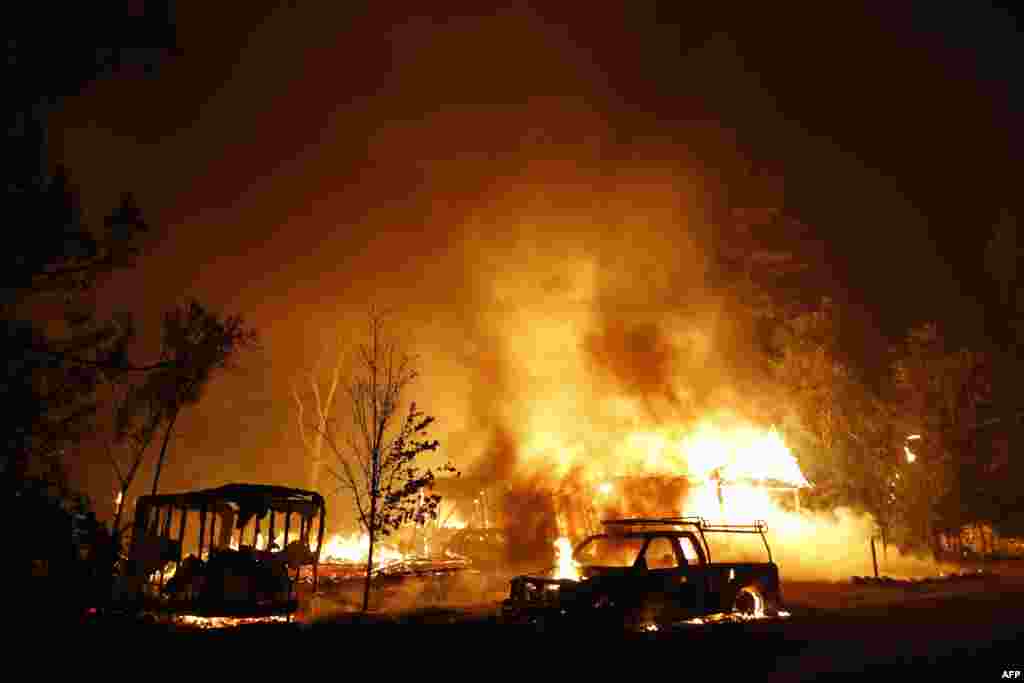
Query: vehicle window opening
(661,554)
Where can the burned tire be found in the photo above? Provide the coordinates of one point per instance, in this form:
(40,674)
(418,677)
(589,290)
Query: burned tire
(749,602)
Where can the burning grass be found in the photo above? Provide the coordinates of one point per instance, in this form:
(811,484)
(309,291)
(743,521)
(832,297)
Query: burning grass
(204,623)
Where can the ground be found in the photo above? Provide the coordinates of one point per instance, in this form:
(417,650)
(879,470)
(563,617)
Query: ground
(970,627)
(973,628)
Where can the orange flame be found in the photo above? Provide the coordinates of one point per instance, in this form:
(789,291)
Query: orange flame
(226,622)
(742,453)
(567,568)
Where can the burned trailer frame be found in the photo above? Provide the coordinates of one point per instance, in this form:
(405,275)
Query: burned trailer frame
(226,515)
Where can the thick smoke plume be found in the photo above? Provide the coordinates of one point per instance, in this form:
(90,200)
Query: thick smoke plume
(552,271)
(835,546)
(640,360)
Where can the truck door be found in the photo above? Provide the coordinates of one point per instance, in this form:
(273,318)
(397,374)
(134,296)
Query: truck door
(693,586)
(669,591)
(707,578)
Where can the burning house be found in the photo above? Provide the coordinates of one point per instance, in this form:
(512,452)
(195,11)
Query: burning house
(467,501)
(724,474)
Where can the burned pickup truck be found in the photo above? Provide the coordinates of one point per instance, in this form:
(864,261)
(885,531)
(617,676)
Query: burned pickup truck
(644,572)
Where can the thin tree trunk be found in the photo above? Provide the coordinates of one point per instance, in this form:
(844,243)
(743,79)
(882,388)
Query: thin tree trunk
(314,476)
(163,451)
(116,535)
(323,409)
(885,543)
(369,556)
(416,536)
(374,493)
(117,514)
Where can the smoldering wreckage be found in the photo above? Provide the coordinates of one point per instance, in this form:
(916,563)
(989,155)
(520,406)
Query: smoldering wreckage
(642,551)
(643,571)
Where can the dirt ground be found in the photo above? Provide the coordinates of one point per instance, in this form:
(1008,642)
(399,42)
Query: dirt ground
(967,629)
(808,597)
(800,597)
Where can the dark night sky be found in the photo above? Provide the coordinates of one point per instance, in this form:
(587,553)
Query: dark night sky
(894,129)
(270,148)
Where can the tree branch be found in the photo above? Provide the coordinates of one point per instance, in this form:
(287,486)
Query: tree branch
(77,360)
(113,461)
(302,425)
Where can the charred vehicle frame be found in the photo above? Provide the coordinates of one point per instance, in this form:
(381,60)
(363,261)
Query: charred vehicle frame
(682,583)
(217,579)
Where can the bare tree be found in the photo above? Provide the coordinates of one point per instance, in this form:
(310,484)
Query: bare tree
(322,401)
(379,454)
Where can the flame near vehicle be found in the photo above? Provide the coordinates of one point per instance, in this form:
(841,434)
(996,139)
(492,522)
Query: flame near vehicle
(744,453)
(337,548)
(735,471)
(226,622)
(356,549)
(568,568)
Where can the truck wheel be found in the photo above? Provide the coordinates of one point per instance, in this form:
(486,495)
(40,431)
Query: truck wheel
(749,601)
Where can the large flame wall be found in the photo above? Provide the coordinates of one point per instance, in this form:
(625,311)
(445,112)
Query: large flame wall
(572,335)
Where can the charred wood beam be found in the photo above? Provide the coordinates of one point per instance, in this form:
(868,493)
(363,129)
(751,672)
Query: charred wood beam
(319,545)
(202,531)
(213,532)
(166,533)
(181,538)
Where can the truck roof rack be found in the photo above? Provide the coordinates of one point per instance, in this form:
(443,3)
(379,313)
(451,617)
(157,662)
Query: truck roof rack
(655,521)
(757,527)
